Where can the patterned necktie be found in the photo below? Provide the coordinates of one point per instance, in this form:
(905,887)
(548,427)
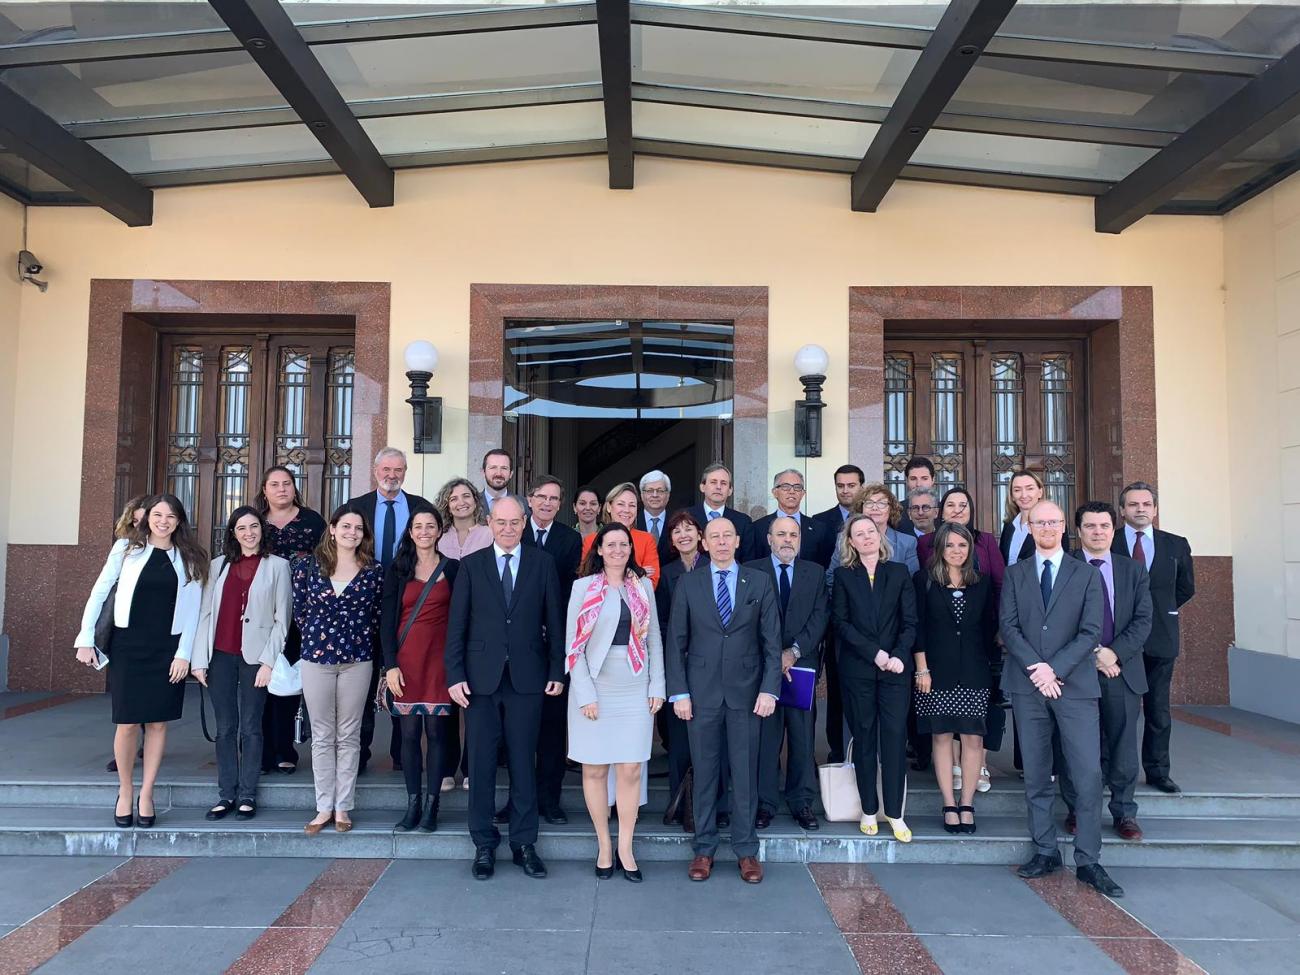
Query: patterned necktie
(654,527)
(1045,584)
(1139,555)
(714,514)
(724,598)
(541,538)
(508,580)
(390,536)
(784,589)
(1107,613)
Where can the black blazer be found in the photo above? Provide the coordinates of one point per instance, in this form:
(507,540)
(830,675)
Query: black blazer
(815,542)
(1026,547)
(1132,611)
(564,545)
(742,522)
(809,612)
(670,573)
(483,632)
(365,504)
(831,519)
(957,653)
(870,618)
(1173,582)
(390,605)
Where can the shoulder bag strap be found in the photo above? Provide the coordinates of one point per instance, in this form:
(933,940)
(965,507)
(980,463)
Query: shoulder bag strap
(419,603)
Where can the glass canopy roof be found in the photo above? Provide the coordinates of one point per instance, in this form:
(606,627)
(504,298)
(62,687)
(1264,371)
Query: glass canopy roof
(1068,97)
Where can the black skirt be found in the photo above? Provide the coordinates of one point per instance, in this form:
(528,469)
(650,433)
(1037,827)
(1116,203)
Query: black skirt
(140,656)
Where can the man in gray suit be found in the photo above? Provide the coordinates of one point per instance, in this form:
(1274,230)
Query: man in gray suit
(722,659)
(1051,616)
(1125,626)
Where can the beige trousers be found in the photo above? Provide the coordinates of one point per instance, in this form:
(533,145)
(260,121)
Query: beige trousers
(336,698)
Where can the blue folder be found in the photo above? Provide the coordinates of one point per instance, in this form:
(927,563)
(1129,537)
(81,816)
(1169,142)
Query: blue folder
(798,692)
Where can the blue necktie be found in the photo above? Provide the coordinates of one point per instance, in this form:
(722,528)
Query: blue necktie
(724,598)
(507,580)
(714,514)
(1045,584)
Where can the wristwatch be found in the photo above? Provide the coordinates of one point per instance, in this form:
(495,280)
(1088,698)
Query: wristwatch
(797,654)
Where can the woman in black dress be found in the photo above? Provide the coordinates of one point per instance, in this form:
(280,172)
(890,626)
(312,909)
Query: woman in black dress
(158,570)
(294,531)
(957,626)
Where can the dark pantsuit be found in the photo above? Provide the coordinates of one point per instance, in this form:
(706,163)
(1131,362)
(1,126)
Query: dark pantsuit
(551,752)
(237,705)
(834,700)
(1119,749)
(277,731)
(368,723)
(795,728)
(706,730)
(516,717)
(1155,716)
(877,713)
(1036,718)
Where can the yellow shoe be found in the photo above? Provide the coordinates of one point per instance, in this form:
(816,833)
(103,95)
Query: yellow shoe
(868,825)
(901,832)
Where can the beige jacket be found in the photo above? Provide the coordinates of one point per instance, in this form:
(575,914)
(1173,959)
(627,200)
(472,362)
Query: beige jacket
(266,619)
(582,686)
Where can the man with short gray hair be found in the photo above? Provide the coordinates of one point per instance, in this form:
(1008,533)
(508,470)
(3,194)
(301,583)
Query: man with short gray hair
(816,543)
(923,510)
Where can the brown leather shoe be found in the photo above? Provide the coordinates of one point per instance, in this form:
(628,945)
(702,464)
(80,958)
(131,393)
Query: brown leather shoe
(751,871)
(701,867)
(1071,824)
(1128,829)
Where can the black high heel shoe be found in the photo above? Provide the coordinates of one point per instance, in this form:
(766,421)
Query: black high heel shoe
(967,827)
(604,873)
(632,876)
(951,827)
(143,821)
(123,822)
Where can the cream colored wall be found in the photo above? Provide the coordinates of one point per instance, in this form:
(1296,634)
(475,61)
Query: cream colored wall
(685,223)
(11,292)
(1262,256)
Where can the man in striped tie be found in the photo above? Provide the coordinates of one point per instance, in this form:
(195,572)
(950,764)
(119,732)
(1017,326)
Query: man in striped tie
(722,659)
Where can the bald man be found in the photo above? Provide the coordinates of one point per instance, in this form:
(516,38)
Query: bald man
(1051,616)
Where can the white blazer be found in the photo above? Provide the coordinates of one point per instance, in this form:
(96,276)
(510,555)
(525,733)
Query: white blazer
(124,568)
(582,683)
(266,618)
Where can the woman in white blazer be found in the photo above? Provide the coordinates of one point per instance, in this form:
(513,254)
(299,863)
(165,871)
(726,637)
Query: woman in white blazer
(158,570)
(615,661)
(247,608)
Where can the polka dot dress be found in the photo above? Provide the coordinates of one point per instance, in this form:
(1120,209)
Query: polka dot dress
(958,710)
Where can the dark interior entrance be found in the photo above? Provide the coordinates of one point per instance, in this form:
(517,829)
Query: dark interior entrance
(600,402)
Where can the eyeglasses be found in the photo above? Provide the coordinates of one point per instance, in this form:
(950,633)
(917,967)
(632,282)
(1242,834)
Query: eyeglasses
(797,488)
(1054,523)
(876,505)
(921,509)
(651,490)
(553,498)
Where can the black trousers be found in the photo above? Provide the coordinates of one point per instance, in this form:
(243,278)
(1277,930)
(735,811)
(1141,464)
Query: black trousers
(515,717)
(422,750)
(277,731)
(1119,749)
(1155,716)
(724,737)
(368,723)
(237,706)
(793,728)
(877,713)
(454,753)
(552,738)
(834,701)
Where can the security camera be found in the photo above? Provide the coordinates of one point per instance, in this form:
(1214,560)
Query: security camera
(29,267)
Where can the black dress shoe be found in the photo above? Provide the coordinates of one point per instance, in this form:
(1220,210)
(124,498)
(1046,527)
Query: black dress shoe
(218,811)
(1165,784)
(1040,865)
(632,876)
(555,816)
(763,820)
(1099,880)
(485,863)
(807,819)
(502,816)
(412,818)
(123,822)
(724,820)
(526,856)
(604,873)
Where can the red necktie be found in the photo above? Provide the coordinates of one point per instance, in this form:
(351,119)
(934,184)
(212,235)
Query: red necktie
(1138,554)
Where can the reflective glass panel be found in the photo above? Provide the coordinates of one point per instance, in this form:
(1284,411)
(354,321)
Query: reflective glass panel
(947,420)
(752,130)
(900,389)
(184,425)
(1008,385)
(1039,157)
(293,385)
(230,487)
(338,429)
(36,22)
(496,127)
(918,13)
(26,178)
(1273,150)
(204,150)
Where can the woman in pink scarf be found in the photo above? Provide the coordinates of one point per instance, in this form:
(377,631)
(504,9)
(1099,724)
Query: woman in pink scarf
(616,664)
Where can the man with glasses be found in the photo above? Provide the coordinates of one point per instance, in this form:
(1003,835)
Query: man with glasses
(815,542)
(1051,615)
(918,474)
(922,510)
(655,489)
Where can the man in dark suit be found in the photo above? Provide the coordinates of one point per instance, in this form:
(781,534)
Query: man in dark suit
(919,473)
(722,660)
(655,489)
(715,486)
(505,649)
(386,510)
(815,540)
(564,545)
(849,480)
(498,469)
(1051,617)
(1168,559)
(805,610)
(1125,625)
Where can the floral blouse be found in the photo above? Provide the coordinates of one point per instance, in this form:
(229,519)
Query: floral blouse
(298,538)
(336,629)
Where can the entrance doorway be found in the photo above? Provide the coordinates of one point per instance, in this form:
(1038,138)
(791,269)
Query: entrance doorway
(983,408)
(601,402)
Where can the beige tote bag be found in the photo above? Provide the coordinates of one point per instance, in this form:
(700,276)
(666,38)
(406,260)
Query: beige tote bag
(839,785)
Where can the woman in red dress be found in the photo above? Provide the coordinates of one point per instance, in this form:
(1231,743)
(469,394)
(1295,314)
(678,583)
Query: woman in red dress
(413,628)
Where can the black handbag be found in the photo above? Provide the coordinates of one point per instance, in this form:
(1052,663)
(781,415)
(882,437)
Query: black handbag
(104,624)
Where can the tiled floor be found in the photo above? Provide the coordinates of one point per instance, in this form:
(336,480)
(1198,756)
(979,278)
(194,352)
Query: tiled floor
(355,917)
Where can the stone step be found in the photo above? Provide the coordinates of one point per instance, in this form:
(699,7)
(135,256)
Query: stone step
(1252,843)
(385,791)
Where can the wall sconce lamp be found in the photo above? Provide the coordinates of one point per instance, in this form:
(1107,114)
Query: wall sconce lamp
(811,362)
(426,411)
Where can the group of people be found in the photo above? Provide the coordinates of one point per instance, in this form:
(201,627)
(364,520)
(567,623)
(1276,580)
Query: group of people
(555,645)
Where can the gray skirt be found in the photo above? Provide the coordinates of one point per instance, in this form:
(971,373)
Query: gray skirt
(623,726)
